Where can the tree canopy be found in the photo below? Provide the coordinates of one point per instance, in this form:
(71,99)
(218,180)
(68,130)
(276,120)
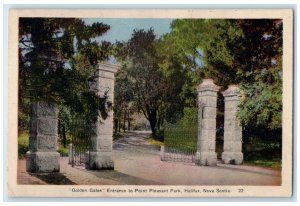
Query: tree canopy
(140,65)
(159,76)
(244,52)
(56,58)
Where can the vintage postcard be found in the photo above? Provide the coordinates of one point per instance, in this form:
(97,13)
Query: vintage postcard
(150,103)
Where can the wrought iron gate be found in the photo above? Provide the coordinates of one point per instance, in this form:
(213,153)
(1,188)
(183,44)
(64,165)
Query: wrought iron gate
(180,143)
(80,137)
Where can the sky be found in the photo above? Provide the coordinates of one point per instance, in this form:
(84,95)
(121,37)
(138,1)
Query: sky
(121,29)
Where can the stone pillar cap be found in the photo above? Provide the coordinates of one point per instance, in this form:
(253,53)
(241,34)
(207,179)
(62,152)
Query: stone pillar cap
(208,84)
(232,90)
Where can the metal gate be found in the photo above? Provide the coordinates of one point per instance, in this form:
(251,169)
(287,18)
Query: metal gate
(180,143)
(80,137)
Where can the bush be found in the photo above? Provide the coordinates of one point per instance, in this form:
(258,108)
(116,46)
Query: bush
(63,151)
(23,143)
(117,136)
(159,135)
(190,117)
(263,152)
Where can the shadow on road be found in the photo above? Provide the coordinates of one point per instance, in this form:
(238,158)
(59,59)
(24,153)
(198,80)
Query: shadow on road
(54,179)
(121,178)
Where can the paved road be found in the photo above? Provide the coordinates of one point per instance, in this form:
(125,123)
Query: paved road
(138,163)
(135,142)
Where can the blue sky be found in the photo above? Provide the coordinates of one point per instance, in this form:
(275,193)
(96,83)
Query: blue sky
(121,29)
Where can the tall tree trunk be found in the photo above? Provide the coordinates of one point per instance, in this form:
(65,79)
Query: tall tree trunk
(119,123)
(124,123)
(159,123)
(153,122)
(128,119)
(119,120)
(116,124)
(64,137)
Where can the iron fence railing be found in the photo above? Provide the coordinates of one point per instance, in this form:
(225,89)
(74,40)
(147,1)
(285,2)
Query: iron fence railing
(180,143)
(80,137)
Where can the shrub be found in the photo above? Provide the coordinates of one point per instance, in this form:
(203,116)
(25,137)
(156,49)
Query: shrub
(63,151)
(23,143)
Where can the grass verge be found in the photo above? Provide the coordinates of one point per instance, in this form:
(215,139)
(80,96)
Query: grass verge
(153,141)
(274,164)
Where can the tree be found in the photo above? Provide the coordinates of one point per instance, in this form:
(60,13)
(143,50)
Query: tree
(123,98)
(244,52)
(57,57)
(184,59)
(260,69)
(181,59)
(140,62)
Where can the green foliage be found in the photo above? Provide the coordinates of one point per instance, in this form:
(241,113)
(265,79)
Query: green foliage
(219,58)
(263,148)
(244,52)
(262,106)
(117,136)
(190,116)
(183,134)
(141,78)
(65,117)
(23,143)
(275,164)
(124,90)
(200,48)
(180,55)
(183,138)
(123,98)
(261,73)
(57,56)
(63,151)
(23,114)
(257,144)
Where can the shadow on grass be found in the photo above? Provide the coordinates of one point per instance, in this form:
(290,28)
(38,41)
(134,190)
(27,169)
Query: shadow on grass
(54,178)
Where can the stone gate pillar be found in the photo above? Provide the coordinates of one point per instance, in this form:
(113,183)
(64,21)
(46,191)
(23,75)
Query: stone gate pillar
(232,153)
(207,112)
(100,154)
(42,155)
